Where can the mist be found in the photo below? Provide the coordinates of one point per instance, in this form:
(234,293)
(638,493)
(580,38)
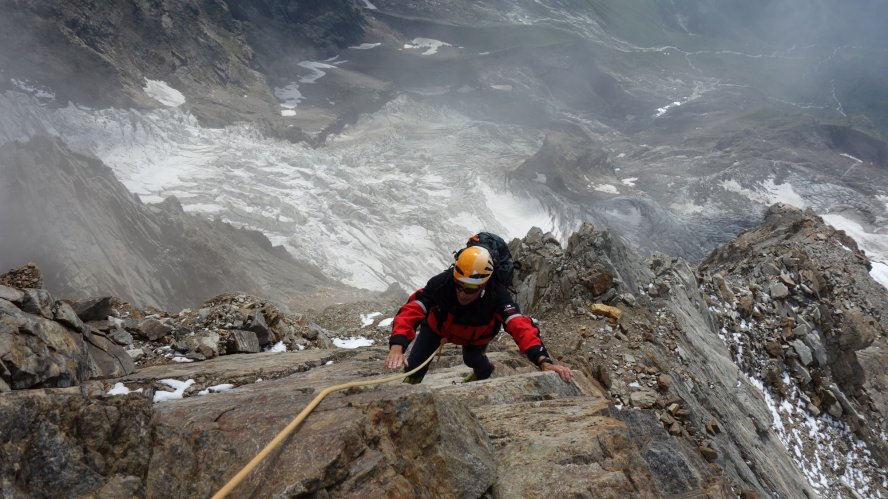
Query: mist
(352,136)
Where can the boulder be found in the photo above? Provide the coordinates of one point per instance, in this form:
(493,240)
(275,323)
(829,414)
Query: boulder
(241,342)
(256,323)
(107,358)
(94,309)
(152,329)
(38,352)
(612,313)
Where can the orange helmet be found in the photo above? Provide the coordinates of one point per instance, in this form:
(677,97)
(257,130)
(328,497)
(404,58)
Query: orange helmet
(473,266)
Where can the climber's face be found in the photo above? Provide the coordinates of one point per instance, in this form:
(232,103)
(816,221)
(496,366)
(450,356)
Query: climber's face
(467,294)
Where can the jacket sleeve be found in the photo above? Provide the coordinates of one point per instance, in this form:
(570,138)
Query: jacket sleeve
(409,316)
(522,330)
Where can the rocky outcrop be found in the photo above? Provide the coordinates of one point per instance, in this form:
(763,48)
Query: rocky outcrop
(676,390)
(99,239)
(670,352)
(596,265)
(795,304)
(804,292)
(43,343)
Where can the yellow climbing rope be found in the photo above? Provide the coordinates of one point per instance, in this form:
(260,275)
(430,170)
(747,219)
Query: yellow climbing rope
(224,491)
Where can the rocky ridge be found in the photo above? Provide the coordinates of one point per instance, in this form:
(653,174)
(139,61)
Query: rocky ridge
(680,389)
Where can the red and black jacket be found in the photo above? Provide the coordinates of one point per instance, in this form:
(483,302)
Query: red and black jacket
(435,306)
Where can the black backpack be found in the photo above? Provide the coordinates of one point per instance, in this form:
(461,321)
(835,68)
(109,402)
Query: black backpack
(503,265)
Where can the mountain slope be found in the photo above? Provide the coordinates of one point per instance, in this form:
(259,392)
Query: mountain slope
(69,214)
(758,374)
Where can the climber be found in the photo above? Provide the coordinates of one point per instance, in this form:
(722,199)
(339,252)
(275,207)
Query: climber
(466,307)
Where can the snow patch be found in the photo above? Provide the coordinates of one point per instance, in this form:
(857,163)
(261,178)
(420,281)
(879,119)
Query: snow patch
(874,245)
(121,389)
(385,323)
(290,97)
(630,181)
(608,188)
(367,319)
(663,110)
(352,342)
(216,389)
(163,93)
(767,192)
(179,388)
(430,45)
(40,92)
(277,347)
(366,46)
(315,71)
(686,208)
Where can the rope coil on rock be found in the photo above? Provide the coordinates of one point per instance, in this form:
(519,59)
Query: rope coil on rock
(225,490)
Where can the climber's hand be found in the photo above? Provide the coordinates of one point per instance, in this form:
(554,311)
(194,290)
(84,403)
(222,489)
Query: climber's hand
(395,357)
(562,371)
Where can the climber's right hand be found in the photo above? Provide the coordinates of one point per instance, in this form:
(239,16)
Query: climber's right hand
(395,357)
